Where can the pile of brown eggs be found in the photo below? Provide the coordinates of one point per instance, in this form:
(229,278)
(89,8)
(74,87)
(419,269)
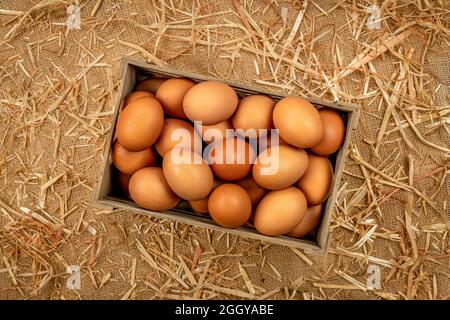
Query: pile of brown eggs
(278,186)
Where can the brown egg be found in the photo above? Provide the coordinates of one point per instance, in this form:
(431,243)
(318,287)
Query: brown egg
(280,166)
(177,133)
(136,95)
(149,189)
(298,122)
(129,162)
(229,205)
(124,181)
(199,206)
(217,132)
(333,133)
(253,116)
(171,94)
(139,124)
(255,191)
(280,211)
(316,182)
(210,102)
(231,159)
(151,85)
(308,223)
(187,174)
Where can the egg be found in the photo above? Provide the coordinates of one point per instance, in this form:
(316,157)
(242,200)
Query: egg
(229,205)
(254,190)
(150,85)
(129,162)
(316,182)
(253,117)
(187,174)
(177,133)
(280,211)
(210,102)
(308,223)
(298,122)
(139,124)
(199,206)
(333,133)
(231,159)
(124,181)
(149,189)
(280,166)
(171,94)
(136,95)
(216,132)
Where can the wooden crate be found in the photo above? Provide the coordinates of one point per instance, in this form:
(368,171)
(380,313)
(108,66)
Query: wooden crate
(133,70)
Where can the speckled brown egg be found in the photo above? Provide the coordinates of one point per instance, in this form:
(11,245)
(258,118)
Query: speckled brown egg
(231,159)
(298,122)
(316,182)
(229,205)
(129,162)
(254,190)
(216,132)
(149,189)
(171,94)
(253,116)
(177,133)
(280,211)
(140,124)
(210,102)
(151,85)
(333,133)
(308,223)
(136,95)
(187,174)
(280,166)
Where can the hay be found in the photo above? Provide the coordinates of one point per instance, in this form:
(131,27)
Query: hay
(57,91)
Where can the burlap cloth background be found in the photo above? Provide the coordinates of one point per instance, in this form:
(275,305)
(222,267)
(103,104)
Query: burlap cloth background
(41,139)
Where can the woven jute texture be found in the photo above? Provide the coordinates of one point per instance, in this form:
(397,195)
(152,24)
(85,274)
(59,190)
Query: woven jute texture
(57,88)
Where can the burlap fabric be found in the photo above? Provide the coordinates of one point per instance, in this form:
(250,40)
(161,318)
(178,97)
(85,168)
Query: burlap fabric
(42,139)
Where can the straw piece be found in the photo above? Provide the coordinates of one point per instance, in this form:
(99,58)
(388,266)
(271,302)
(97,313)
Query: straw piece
(105,280)
(128,294)
(352,280)
(358,255)
(96,7)
(196,258)
(188,272)
(371,53)
(302,256)
(408,226)
(247,281)
(258,30)
(335,286)
(232,292)
(8,268)
(144,52)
